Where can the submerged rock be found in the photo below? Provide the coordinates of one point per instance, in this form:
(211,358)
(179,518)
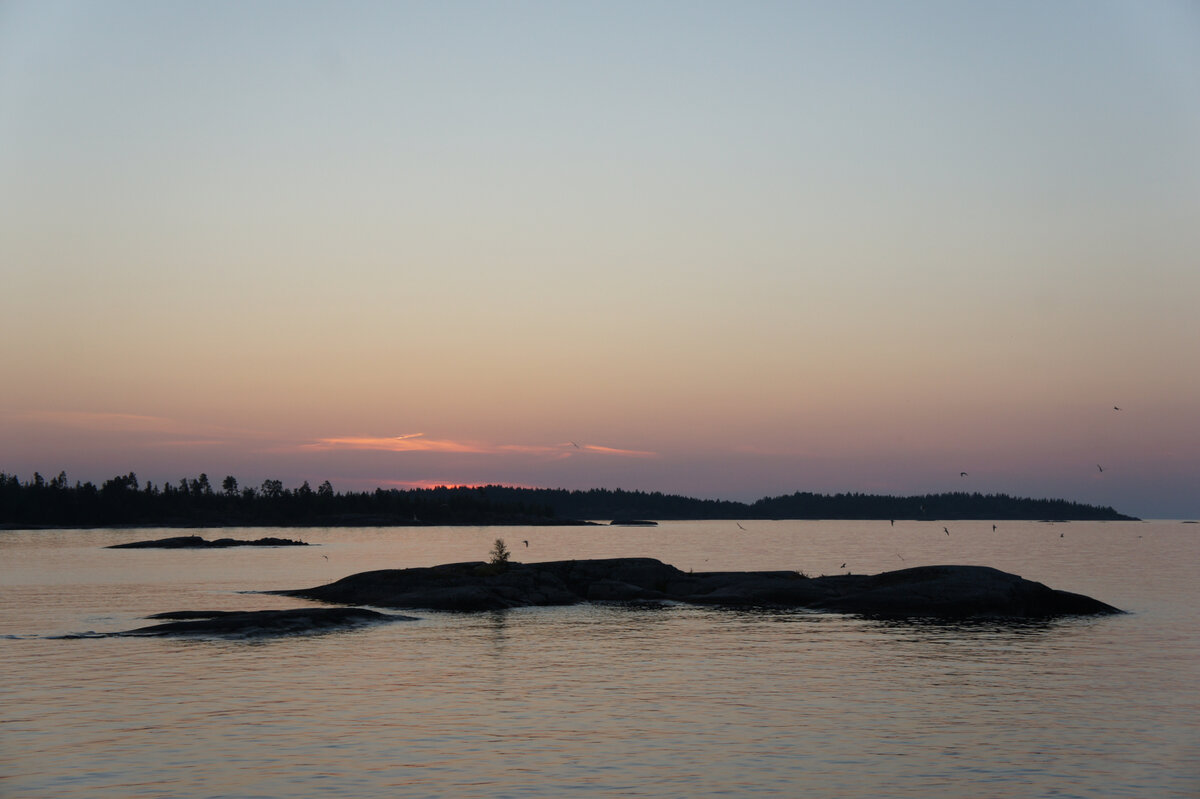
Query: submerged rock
(929,591)
(196,542)
(263,622)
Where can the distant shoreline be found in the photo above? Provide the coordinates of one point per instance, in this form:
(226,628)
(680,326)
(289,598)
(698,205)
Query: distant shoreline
(126,502)
(552,523)
(349,525)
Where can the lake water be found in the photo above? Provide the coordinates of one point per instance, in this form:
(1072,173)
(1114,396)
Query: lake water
(602,701)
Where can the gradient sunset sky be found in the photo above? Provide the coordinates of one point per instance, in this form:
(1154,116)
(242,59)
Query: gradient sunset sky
(723,249)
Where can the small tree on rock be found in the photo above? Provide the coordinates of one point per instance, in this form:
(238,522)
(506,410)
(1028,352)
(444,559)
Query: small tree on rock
(500,553)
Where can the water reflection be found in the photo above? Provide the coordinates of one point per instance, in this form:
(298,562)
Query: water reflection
(934,628)
(496,623)
(654,700)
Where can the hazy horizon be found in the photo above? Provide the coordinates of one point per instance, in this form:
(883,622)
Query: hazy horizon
(722,250)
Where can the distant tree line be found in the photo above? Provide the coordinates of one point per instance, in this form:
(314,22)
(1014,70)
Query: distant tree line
(196,502)
(602,503)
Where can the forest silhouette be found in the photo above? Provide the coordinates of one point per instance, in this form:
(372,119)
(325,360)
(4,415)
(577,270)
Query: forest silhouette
(195,502)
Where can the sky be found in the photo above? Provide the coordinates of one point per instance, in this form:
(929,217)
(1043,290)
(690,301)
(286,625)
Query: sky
(720,249)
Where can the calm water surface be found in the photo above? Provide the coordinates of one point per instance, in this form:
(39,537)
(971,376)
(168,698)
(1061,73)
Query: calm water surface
(602,701)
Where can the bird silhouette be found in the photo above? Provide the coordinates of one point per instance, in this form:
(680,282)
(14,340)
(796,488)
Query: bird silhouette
(947,531)
(526,543)
(842,566)
(1115,408)
(739,524)
(1098,466)
(962,474)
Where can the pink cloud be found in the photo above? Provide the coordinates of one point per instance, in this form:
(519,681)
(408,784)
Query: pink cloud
(416,442)
(149,430)
(112,422)
(413,442)
(628,453)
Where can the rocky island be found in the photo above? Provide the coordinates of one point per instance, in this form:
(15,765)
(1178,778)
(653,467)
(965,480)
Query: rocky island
(263,622)
(947,592)
(923,592)
(196,542)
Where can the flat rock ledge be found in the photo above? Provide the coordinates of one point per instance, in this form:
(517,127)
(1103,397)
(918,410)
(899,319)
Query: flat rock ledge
(948,592)
(263,622)
(196,542)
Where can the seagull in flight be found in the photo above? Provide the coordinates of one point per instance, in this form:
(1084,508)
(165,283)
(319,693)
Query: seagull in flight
(526,543)
(1098,466)
(1115,408)
(946,531)
(739,524)
(962,474)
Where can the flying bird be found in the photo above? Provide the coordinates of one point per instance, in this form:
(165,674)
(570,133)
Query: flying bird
(739,524)
(962,474)
(947,531)
(842,566)
(573,444)
(993,528)
(1115,408)
(526,543)
(1098,466)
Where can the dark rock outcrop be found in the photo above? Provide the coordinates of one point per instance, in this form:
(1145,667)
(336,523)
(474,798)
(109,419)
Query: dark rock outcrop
(196,542)
(926,591)
(263,622)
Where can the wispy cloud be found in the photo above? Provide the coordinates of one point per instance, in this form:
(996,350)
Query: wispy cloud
(162,431)
(142,429)
(626,453)
(412,442)
(92,420)
(417,442)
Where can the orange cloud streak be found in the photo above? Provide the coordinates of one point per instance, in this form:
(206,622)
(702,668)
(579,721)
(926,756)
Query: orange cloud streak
(112,422)
(416,442)
(427,484)
(413,442)
(628,453)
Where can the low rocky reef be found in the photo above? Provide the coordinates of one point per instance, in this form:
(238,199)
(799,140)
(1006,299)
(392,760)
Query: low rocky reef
(263,622)
(196,542)
(948,592)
